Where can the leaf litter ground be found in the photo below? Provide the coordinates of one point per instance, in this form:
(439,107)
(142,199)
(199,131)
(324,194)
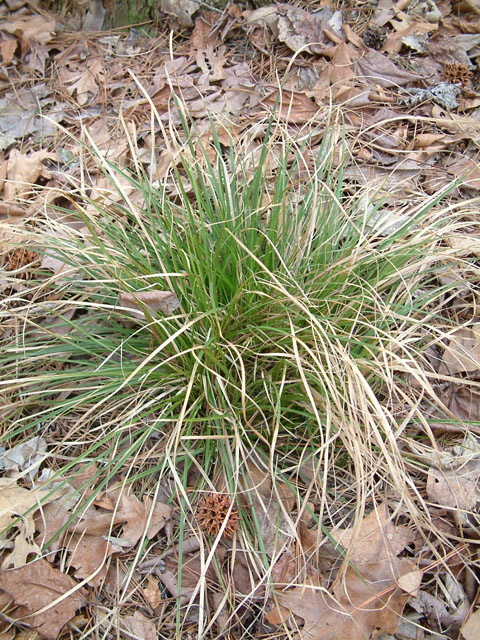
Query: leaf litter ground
(398,85)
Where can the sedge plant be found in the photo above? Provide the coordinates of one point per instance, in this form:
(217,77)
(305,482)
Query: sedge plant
(295,318)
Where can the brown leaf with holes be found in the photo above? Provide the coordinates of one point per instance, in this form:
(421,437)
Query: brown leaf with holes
(38,585)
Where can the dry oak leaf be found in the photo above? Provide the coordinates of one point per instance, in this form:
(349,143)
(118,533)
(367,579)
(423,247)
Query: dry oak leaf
(291,106)
(152,593)
(87,537)
(7,49)
(363,609)
(24,170)
(453,489)
(463,402)
(297,28)
(153,301)
(463,351)
(367,599)
(138,627)
(87,81)
(136,515)
(182,10)
(38,585)
(375,68)
(471,628)
(36,28)
(15,501)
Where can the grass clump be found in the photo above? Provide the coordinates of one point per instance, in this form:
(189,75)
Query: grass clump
(295,319)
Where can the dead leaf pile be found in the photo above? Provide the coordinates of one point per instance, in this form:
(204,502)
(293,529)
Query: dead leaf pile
(36,521)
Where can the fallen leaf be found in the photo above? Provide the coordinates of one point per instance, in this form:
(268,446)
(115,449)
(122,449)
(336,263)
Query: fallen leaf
(26,456)
(297,28)
(463,402)
(452,489)
(87,81)
(36,586)
(138,517)
(291,106)
(180,9)
(7,49)
(463,351)
(36,28)
(467,170)
(138,627)
(471,628)
(453,480)
(22,549)
(24,170)
(437,614)
(377,538)
(410,582)
(367,598)
(153,301)
(445,48)
(88,537)
(16,501)
(152,593)
(375,68)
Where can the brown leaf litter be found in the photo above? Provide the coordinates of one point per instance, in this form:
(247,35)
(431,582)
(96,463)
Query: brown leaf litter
(46,597)
(366,598)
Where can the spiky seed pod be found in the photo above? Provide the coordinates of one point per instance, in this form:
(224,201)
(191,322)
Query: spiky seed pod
(212,511)
(374,36)
(456,73)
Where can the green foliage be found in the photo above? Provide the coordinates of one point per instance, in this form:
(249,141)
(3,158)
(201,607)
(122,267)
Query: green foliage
(290,306)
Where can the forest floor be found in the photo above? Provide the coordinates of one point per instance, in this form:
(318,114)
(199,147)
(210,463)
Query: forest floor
(392,552)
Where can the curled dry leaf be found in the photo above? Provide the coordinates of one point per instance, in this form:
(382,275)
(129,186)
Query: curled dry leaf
(38,585)
(153,301)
